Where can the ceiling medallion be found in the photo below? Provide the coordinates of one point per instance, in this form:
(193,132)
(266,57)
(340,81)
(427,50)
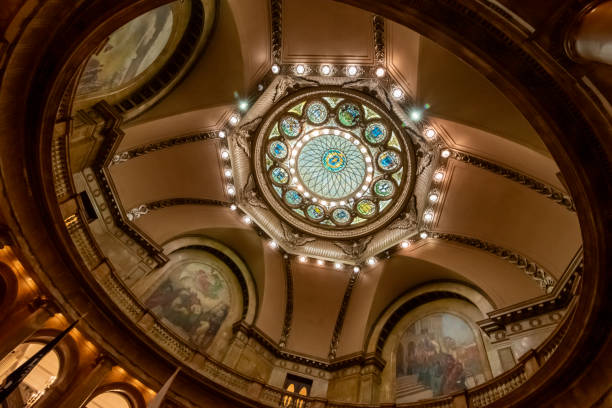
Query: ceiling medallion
(333,162)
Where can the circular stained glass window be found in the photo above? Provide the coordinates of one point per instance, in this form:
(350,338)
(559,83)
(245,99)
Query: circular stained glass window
(366,208)
(278,150)
(349,114)
(327,174)
(316,212)
(376,133)
(316,112)
(293,198)
(341,216)
(280,175)
(388,160)
(290,126)
(384,188)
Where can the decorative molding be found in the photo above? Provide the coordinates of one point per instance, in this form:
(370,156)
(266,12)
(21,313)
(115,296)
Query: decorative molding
(333,347)
(276,8)
(533,270)
(154,147)
(146,208)
(288,304)
(547,190)
(379,39)
(354,248)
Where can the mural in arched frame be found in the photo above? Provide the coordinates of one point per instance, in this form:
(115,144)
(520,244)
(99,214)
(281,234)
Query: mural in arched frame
(194,299)
(438,354)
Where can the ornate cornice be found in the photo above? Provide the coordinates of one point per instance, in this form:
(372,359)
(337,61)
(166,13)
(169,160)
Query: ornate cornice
(289,302)
(144,209)
(548,191)
(154,147)
(379,39)
(333,347)
(276,8)
(536,272)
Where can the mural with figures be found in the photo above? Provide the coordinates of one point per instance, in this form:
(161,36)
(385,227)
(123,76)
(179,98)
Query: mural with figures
(194,300)
(437,355)
(127,52)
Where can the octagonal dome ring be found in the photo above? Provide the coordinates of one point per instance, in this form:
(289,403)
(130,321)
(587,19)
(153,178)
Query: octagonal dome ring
(333,162)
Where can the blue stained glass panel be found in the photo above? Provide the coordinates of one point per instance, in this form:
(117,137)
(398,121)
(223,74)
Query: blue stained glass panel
(280,175)
(293,198)
(278,150)
(349,114)
(315,212)
(316,112)
(384,188)
(376,133)
(290,126)
(388,160)
(341,216)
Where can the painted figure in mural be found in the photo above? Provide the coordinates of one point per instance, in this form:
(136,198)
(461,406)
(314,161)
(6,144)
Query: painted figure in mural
(194,299)
(437,355)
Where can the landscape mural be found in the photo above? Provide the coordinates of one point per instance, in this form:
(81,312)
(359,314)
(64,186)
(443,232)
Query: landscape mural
(127,52)
(437,355)
(194,300)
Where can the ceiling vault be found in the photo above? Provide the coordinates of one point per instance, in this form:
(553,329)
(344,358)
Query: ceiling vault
(542,188)
(333,347)
(535,271)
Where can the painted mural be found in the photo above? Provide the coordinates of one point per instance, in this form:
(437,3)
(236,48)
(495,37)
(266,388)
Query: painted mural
(127,52)
(437,355)
(194,300)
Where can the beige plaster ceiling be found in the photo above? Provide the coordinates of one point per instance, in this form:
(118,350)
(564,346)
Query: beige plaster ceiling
(469,113)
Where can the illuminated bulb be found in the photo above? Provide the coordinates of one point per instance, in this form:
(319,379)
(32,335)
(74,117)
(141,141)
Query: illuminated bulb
(430,133)
(338,265)
(247,219)
(347,136)
(368,179)
(302,259)
(356,142)
(352,70)
(368,159)
(314,199)
(225,154)
(231,190)
(300,188)
(405,244)
(320,262)
(300,69)
(438,176)
(316,133)
(342,202)
(336,132)
(294,152)
(233,207)
(323,202)
(433,197)
(292,162)
(294,180)
(222,134)
(380,72)
(325,69)
(416,115)
(275,69)
(228,173)
(371,261)
(358,195)
(397,93)
(364,188)
(243,105)
(234,119)
(370,169)
(332,204)
(363,150)
(299,144)
(306,138)
(428,216)
(273,244)
(292,170)
(356,269)
(423,235)
(446,153)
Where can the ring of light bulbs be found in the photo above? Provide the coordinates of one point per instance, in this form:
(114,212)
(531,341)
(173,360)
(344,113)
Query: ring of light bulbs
(429,134)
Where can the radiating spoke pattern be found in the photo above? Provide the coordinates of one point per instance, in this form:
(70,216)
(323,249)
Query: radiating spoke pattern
(331,167)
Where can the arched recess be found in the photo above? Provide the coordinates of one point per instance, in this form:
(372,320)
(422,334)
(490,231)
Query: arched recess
(126,390)
(201,292)
(417,297)
(9,287)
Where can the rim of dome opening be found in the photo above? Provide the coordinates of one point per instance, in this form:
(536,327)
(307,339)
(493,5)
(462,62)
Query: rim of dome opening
(334,162)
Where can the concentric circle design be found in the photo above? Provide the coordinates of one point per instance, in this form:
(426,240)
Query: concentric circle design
(333,162)
(331,167)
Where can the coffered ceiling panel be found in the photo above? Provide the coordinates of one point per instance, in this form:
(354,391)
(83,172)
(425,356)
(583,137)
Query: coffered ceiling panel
(189,170)
(492,208)
(271,314)
(402,55)
(318,293)
(323,30)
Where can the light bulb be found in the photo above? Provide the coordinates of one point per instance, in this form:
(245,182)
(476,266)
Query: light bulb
(247,219)
(302,259)
(423,235)
(222,134)
(352,70)
(380,72)
(273,244)
(405,244)
(416,115)
(275,69)
(320,262)
(234,119)
(430,133)
(338,265)
(397,93)
(356,269)
(428,216)
(231,190)
(243,105)
(300,69)
(233,207)
(438,176)
(225,155)
(446,153)
(371,261)
(433,197)
(228,173)
(325,69)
